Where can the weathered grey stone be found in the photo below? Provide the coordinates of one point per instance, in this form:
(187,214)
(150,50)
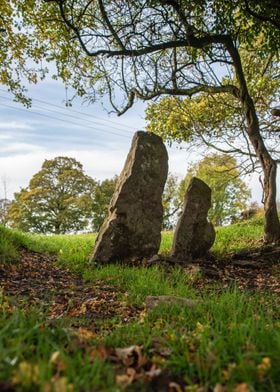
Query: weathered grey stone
(194,235)
(133,228)
(152,301)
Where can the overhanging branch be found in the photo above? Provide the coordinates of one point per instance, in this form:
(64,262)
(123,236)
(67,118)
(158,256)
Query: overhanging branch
(134,93)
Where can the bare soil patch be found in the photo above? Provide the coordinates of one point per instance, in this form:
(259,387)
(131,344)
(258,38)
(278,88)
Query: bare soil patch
(257,270)
(36,279)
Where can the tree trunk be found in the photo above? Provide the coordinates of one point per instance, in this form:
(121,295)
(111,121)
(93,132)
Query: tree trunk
(269,166)
(57,228)
(271,220)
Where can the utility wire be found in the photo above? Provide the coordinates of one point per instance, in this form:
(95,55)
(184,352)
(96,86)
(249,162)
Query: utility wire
(70,115)
(84,114)
(63,120)
(83,119)
(74,111)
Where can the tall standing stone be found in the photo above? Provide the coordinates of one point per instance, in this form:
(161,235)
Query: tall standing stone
(133,228)
(194,235)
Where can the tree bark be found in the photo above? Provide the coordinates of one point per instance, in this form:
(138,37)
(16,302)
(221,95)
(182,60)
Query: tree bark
(271,220)
(57,228)
(269,165)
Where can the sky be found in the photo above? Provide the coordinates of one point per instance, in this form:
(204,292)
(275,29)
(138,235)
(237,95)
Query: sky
(88,133)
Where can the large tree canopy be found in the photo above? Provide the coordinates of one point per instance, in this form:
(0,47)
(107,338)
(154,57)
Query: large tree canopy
(221,173)
(217,121)
(100,201)
(57,200)
(151,48)
(20,53)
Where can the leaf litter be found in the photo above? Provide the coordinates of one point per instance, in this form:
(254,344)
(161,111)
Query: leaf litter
(257,270)
(37,280)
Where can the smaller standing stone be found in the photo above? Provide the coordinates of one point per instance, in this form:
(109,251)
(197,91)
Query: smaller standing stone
(194,235)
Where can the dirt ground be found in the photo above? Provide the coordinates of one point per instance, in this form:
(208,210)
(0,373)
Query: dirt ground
(89,307)
(39,280)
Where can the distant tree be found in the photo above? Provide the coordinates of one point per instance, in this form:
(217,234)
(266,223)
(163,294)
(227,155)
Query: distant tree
(4,204)
(57,200)
(229,192)
(252,210)
(4,207)
(171,201)
(101,199)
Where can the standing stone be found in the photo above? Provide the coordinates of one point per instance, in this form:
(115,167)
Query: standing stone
(194,235)
(133,228)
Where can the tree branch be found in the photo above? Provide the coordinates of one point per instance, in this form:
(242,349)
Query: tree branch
(134,93)
(110,27)
(262,17)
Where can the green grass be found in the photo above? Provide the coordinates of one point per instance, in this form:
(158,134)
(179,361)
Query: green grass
(39,356)
(166,242)
(139,282)
(243,235)
(9,244)
(232,330)
(229,338)
(73,251)
(224,340)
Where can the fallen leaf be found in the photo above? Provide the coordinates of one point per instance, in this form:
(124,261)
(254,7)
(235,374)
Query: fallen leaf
(125,380)
(174,387)
(26,374)
(85,334)
(61,384)
(220,388)
(100,352)
(243,387)
(263,367)
(57,362)
(54,357)
(153,372)
(142,316)
(131,356)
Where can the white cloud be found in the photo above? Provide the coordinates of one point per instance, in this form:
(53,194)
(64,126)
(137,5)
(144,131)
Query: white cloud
(19,169)
(11,125)
(13,148)
(4,137)
(179,161)
(98,163)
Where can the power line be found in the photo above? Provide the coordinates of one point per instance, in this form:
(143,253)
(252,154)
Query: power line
(74,111)
(64,121)
(82,119)
(84,114)
(69,115)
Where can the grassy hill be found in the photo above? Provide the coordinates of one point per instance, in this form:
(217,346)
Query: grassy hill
(74,250)
(68,326)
